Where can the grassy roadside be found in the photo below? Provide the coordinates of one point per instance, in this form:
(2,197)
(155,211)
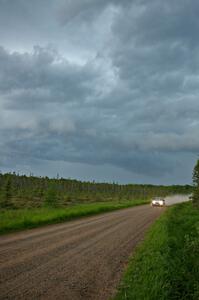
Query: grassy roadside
(166,265)
(12,220)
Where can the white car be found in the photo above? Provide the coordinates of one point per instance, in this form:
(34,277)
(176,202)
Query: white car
(158,202)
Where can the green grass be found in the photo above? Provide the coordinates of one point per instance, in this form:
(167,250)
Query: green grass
(12,220)
(166,265)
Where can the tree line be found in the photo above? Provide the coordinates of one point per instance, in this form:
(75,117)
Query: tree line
(195,196)
(22,191)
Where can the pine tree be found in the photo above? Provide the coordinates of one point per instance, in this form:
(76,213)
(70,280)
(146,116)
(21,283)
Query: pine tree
(51,197)
(195,196)
(5,201)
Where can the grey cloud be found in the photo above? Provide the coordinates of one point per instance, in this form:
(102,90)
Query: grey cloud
(158,22)
(132,104)
(86,10)
(42,77)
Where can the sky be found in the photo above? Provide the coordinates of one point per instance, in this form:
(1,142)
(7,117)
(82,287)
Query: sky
(104,90)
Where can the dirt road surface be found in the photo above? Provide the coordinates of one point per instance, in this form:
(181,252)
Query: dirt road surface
(82,259)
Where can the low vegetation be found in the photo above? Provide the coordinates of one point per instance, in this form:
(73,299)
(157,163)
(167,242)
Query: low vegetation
(166,265)
(11,220)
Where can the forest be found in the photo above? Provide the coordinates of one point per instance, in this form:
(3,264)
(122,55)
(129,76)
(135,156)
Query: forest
(22,191)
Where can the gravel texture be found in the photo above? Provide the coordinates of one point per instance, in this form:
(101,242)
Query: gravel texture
(82,259)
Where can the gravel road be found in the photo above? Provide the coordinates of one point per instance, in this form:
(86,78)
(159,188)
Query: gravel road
(82,259)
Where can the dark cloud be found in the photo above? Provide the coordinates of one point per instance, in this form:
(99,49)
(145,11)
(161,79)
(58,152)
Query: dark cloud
(42,75)
(119,87)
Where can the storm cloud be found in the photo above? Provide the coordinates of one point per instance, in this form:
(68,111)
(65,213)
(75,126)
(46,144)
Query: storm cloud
(100,85)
